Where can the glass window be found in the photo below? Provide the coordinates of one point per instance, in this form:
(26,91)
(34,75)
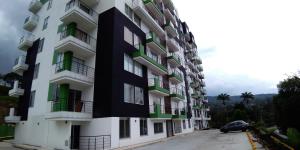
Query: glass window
(128,11)
(41,45)
(189,122)
(158,128)
(36,71)
(49,4)
(124,128)
(143,127)
(128,93)
(137,20)
(138,69)
(32,98)
(136,41)
(128,36)
(139,96)
(45,23)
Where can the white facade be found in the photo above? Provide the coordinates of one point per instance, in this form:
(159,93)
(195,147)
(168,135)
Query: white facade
(52,130)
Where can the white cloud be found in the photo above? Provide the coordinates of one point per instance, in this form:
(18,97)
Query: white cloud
(255,42)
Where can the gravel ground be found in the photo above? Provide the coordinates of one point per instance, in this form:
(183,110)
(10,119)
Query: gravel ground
(204,140)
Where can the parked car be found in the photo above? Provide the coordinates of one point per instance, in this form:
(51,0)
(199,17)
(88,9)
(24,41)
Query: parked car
(238,125)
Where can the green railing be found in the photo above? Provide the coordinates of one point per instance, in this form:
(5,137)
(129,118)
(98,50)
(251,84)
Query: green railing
(6,131)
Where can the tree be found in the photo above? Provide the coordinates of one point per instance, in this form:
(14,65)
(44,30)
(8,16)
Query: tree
(223,97)
(247,97)
(287,104)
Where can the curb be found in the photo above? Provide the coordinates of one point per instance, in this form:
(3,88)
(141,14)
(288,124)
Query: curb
(252,143)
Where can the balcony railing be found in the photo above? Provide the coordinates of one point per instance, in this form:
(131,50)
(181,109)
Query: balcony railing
(155,43)
(80,106)
(158,111)
(82,6)
(177,93)
(158,86)
(35,6)
(76,67)
(179,113)
(80,35)
(174,60)
(26,41)
(31,22)
(175,76)
(20,66)
(17,90)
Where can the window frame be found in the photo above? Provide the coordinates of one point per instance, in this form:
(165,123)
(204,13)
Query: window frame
(132,66)
(41,45)
(143,127)
(36,71)
(32,98)
(160,128)
(132,96)
(49,4)
(45,25)
(126,126)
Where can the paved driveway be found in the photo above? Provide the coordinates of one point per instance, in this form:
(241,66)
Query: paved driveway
(204,140)
(7,146)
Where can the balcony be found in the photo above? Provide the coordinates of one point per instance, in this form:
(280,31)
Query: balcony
(203,91)
(170,29)
(31,22)
(73,73)
(12,118)
(197,106)
(91,3)
(78,42)
(175,77)
(65,110)
(202,83)
(179,114)
(154,9)
(20,65)
(81,14)
(139,9)
(173,45)
(199,68)
(174,60)
(169,4)
(177,94)
(201,75)
(191,54)
(145,59)
(17,89)
(194,84)
(35,6)
(157,112)
(195,95)
(158,87)
(26,41)
(154,43)
(170,16)
(207,118)
(197,60)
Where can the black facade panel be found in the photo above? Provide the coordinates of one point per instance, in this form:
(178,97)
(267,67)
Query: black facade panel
(110,75)
(23,104)
(189,109)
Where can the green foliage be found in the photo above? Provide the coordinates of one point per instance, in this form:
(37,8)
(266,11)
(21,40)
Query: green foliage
(223,97)
(3,90)
(247,97)
(239,114)
(294,137)
(287,104)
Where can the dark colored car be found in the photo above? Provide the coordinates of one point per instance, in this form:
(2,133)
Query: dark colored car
(238,125)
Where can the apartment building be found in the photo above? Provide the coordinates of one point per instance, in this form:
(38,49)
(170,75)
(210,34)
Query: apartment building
(105,74)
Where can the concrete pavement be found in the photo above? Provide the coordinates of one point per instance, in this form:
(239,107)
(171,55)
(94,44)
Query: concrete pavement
(204,140)
(7,146)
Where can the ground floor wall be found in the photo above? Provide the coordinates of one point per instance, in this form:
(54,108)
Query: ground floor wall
(49,134)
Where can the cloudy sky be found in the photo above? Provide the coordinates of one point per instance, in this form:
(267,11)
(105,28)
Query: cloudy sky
(246,45)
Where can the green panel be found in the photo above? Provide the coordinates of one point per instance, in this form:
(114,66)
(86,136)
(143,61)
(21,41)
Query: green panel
(62,104)
(60,28)
(44,1)
(50,92)
(6,131)
(68,60)
(71,29)
(54,60)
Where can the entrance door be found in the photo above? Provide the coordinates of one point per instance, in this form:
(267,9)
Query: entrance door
(74,103)
(75,136)
(169,128)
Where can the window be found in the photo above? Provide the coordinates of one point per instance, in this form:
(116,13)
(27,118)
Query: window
(45,23)
(124,128)
(139,95)
(49,4)
(128,36)
(128,93)
(31,100)
(137,20)
(158,128)
(131,38)
(183,124)
(133,95)
(128,11)
(41,45)
(36,71)
(132,66)
(143,127)
(189,122)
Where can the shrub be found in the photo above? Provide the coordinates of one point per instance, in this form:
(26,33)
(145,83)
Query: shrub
(294,137)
